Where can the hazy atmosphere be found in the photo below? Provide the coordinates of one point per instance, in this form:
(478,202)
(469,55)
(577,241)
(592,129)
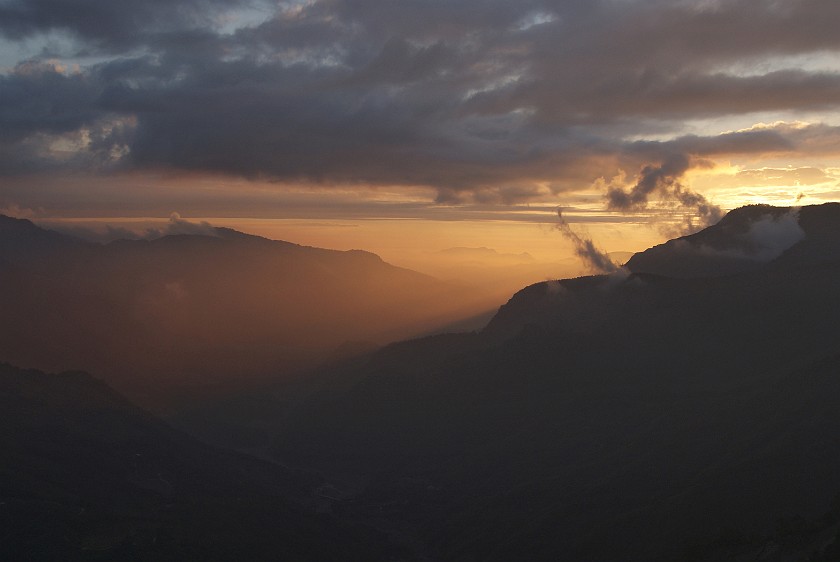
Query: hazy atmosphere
(420,280)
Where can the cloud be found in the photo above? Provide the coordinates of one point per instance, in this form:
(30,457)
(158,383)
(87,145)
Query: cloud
(104,233)
(663,180)
(782,176)
(769,236)
(179,226)
(16,211)
(492,103)
(52,119)
(594,258)
(765,239)
(100,235)
(111,26)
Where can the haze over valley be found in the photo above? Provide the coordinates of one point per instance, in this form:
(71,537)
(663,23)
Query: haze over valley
(420,281)
(207,309)
(681,407)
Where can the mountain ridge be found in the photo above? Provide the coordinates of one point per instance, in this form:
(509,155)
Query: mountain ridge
(636,416)
(200,311)
(89,476)
(745,239)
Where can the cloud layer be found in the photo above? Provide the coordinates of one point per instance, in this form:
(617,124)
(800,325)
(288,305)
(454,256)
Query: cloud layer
(484,101)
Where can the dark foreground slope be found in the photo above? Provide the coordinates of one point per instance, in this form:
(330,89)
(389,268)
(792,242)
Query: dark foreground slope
(85,475)
(632,417)
(212,311)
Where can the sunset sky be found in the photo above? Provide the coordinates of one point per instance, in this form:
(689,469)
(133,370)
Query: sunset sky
(408,127)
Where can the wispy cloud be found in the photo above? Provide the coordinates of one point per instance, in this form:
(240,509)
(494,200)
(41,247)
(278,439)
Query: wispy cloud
(593,257)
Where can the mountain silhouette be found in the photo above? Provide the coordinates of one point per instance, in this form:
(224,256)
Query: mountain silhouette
(201,313)
(684,410)
(21,242)
(88,476)
(746,239)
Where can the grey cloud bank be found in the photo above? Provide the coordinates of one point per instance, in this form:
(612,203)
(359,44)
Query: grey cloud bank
(484,101)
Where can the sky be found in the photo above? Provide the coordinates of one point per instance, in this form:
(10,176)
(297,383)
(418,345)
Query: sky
(408,127)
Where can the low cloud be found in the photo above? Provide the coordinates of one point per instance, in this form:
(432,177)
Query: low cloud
(104,233)
(178,225)
(663,179)
(765,239)
(97,234)
(594,258)
(16,211)
(664,182)
(770,236)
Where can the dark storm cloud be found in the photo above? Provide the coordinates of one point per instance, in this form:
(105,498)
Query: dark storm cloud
(38,97)
(53,119)
(111,25)
(486,101)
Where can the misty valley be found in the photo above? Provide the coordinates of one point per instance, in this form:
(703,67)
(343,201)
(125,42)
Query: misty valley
(222,396)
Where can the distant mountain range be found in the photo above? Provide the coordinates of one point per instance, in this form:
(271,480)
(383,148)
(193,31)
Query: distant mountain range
(202,312)
(684,408)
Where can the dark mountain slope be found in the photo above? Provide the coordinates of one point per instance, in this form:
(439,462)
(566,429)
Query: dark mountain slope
(20,240)
(746,239)
(197,314)
(633,417)
(87,476)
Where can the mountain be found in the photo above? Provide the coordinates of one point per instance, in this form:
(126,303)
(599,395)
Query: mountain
(499,274)
(638,416)
(746,239)
(682,409)
(88,476)
(192,314)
